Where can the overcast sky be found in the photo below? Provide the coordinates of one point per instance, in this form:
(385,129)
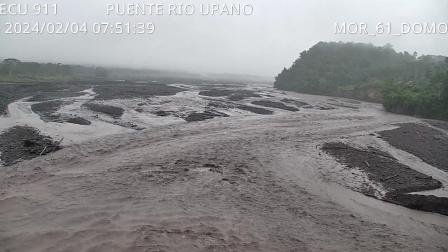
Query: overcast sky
(260,44)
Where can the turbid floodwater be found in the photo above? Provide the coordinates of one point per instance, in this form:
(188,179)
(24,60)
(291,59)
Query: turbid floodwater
(242,182)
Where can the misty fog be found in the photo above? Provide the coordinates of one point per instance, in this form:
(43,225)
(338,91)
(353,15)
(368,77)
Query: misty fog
(260,44)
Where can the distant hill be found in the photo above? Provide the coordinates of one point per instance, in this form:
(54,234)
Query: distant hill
(404,82)
(354,70)
(15,70)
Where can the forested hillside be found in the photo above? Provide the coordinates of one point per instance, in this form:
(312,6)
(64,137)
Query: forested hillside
(15,70)
(404,82)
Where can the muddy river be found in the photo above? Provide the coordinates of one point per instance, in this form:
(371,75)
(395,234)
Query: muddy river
(225,170)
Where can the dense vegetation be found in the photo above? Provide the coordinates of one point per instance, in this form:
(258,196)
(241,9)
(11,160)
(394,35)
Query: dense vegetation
(16,70)
(404,82)
(424,99)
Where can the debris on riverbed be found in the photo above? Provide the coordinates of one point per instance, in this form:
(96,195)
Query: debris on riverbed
(438,124)
(295,102)
(112,111)
(38,91)
(397,179)
(78,120)
(256,110)
(163,113)
(201,116)
(273,104)
(428,144)
(129,90)
(231,105)
(428,203)
(23,142)
(46,110)
(233,95)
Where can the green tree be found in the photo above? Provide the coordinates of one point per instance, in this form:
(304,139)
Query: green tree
(10,65)
(404,83)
